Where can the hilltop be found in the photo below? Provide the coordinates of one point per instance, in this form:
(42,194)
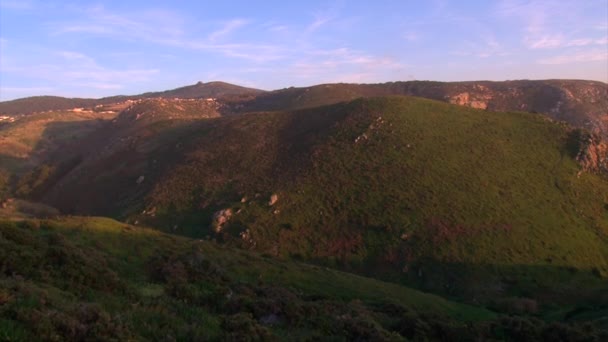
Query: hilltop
(56,103)
(205,90)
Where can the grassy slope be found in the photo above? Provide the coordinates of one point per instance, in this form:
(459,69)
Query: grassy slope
(94,277)
(80,278)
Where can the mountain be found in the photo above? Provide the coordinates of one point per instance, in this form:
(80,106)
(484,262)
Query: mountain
(56,103)
(459,201)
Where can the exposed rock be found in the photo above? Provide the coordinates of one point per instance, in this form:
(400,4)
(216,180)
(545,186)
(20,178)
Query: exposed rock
(140,179)
(593,154)
(360,138)
(478,100)
(220,218)
(273,199)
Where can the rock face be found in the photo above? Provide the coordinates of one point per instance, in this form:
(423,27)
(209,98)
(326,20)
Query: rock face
(479,97)
(593,155)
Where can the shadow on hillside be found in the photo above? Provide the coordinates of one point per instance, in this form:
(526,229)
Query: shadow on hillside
(299,134)
(119,167)
(503,286)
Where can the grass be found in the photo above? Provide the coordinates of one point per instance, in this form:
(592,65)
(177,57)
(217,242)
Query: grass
(79,277)
(75,278)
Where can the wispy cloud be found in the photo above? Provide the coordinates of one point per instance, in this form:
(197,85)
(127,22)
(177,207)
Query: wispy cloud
(227,28)
(559,41)
(77,69)
(343,65)
(550,24)
(581,56)
(144,27)
(484,46)
(99,21)
(324,16)
(320,20)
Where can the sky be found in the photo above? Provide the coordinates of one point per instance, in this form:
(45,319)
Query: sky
(103,48)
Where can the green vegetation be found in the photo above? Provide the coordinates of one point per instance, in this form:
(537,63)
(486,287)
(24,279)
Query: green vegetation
(94,278)
(400,188)
(489,210)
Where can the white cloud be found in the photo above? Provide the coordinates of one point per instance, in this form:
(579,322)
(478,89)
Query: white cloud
(558,41)
(484,47)
(144,27)
(545,42)
(579,57)
(320,20)
(77,69)
(227,28)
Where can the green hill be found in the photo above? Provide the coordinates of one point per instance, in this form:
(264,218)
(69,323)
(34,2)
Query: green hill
(93,278)
(474,204)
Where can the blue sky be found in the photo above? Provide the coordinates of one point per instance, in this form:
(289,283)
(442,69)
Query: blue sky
(94,49)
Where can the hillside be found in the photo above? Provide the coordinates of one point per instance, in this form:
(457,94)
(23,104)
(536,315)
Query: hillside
(455,200)
(581,103)
(93,278)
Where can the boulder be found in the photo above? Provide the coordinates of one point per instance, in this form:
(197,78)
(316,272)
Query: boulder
(273,199)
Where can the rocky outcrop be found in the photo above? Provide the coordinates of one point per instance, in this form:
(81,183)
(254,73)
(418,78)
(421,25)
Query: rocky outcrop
(220,218)
(478,97)
(593,154)
(273,199)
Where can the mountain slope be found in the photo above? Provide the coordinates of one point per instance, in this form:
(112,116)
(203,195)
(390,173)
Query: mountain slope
(452,199)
